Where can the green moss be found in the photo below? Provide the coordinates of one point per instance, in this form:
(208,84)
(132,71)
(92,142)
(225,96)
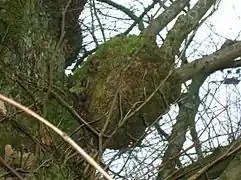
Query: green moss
(129,46)
(60,116)
(13,13)
(117,52)
(123,72)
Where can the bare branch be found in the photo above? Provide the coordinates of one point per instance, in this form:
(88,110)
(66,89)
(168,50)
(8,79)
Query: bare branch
(58,131)
(218,60)
(125,10)
(213,164)
(183,26)
(234,148)
(166,17)
(188,108)
(10,169)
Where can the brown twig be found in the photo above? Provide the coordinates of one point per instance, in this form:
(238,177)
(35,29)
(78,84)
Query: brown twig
(73,112)
(51,61)
(10,169)
(228,153)
(133,111)
(58,131)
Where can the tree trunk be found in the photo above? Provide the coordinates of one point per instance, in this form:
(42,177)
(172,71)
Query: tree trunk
(108,102)
(38,39)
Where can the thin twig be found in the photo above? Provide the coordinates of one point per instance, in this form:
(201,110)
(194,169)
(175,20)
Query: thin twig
(10,169)
(131,112)
(51,61)
(228,153)
(58,131)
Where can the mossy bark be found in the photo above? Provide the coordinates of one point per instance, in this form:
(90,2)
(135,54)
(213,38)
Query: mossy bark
(29,35)
(119,79)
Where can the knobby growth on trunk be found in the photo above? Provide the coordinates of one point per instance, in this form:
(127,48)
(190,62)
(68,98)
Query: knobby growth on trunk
(114,96)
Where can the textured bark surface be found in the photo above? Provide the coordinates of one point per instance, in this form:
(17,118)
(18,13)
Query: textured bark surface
(223,162)
(119,91)
(33,55)
(117,81)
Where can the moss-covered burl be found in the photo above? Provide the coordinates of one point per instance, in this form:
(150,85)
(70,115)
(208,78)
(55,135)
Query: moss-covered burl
(113,84)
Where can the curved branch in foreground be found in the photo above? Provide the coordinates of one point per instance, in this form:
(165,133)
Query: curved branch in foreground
(217,61)
(58,131)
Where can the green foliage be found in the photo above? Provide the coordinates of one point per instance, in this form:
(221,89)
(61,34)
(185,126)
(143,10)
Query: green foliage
(108,52)
(130,46)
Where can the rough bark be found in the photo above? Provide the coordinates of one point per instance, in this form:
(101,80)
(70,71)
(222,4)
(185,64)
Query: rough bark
(119,91)
(213,165)
(37,40)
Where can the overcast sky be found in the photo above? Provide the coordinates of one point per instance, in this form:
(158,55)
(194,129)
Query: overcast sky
(225,23)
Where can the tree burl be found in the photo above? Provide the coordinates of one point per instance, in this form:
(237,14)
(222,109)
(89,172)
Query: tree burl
(114,87)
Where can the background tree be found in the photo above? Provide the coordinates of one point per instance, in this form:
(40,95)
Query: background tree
(120,93)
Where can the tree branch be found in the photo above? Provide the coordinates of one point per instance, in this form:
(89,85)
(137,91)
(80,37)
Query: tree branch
(164,18)
(140,17)
(213,164)
(219,60)
(183,26)
(88,158)
(186,118)
(125,10)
